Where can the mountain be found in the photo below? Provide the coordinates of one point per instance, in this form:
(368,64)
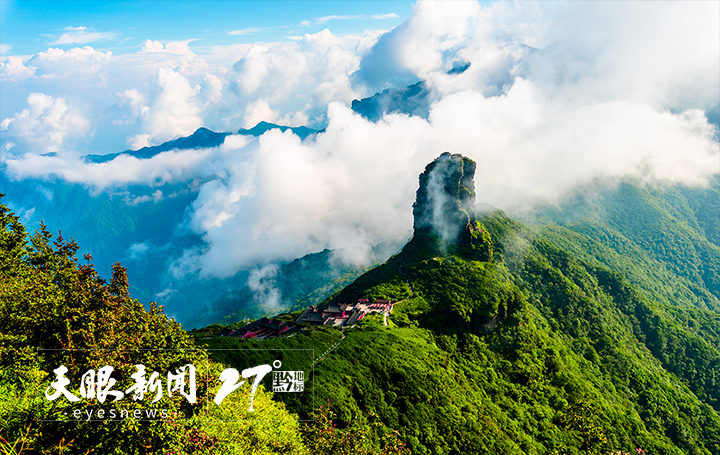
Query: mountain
(411,100)
(60,319)
(110,225)
(291,286)
(146,233)
(261,128)
(201,138)
(654,234)
(444,205)
(556,335)
(61,325)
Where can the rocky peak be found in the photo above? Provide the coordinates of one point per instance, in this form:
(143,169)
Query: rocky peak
(445,201)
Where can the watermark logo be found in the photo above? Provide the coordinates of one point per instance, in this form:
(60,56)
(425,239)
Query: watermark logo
(188,388)
(288,381)
(101,383)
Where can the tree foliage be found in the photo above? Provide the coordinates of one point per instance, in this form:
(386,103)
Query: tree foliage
(50,300)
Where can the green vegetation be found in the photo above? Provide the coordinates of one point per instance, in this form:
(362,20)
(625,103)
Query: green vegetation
(49,300)
(663,240)
(303,282)
(586,330)
(543,350)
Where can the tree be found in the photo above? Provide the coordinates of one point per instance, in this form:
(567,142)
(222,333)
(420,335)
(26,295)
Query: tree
(581,417)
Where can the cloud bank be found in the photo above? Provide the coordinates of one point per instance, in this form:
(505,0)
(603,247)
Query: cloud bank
(81,35)
(553,99)
(45,124)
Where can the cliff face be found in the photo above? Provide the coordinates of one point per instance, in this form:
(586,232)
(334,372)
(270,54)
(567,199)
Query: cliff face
(445,201)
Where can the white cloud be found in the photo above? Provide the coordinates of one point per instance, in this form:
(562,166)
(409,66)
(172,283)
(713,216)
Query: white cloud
(46,123)
(354,187)
(5,48)
(172,47)
(324,19)
(138,141)
(130,107)
(262,284)
(246,31)
(226,56)
(138,251)
(212,89)
(14,69)
(167,167)
(619,93)
(153,46)
(82,35)
(270,69)
(298,78)
(385,16)
(174,108)
(179,47)
(118,91)
(416,48)
(545,149)
(295,80)
(664,54)
(279,198)
(295,119)
(73,62)
(259,111)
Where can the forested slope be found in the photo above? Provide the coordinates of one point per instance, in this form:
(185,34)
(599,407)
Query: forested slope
(537,339)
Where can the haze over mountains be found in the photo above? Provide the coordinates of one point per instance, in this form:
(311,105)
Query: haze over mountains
(592,330)
(504,335)
(150,226)
(137,227)
(536,186)
(144,227)
(545,111)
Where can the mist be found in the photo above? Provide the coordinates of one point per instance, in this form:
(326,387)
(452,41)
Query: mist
(556,96)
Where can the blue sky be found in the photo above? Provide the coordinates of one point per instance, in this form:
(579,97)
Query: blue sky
(135,73)
(32,26)
(557,96)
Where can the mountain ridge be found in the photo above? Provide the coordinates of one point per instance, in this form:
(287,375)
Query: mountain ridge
(502,353)
(521,342)
(201,138)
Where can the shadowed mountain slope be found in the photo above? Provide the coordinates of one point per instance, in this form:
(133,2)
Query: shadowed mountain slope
(513,344)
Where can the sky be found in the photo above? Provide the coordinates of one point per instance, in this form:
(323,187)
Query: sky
(122,27)
(123,44)
(558,95)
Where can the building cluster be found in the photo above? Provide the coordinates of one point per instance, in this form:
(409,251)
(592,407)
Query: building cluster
(338,315)
(344,314)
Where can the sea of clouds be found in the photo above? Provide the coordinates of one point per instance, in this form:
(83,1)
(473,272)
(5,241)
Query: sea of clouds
(557,95)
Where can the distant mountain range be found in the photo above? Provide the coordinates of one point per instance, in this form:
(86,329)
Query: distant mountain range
(145,236)
(411,100)
(202,138)
(592,327)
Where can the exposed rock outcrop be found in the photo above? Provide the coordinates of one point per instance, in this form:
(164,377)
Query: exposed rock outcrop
(445,201)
